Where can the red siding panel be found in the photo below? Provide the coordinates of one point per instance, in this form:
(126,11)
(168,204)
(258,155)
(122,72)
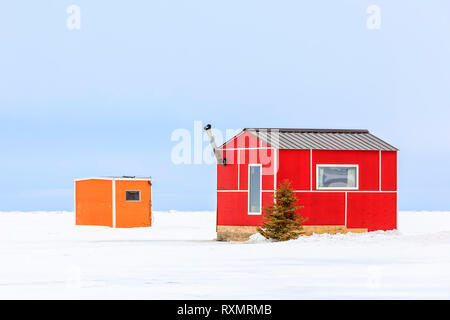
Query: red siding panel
(375,211)
(294,165)
(232,209)
(322,208)
(243,177)
(227,177)
(249,156)
(389,170)
(231,156)
(266,158)
(267,181)
(367,161)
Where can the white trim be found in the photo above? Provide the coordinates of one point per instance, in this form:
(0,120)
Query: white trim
(275,171)
(75,201)
(323,191)
(310,170)
(337,165)
(271,191)
(239,168)
(379,170)
(114,178)
(151,203)
(345,224)
(114,202)
(271,147)
(260,191)
(350,191)
(255,148)
(396,185)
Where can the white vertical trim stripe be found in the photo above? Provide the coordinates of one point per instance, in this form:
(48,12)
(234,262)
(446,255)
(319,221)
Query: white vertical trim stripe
(75,201)
(114,203)
(396,186)
(239,168)
(345,210)
(379,170)
(275,171)
(311,169)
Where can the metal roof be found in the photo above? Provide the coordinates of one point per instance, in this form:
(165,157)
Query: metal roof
(320,139)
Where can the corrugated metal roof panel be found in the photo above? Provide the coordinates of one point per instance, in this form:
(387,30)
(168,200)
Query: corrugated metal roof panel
(321,139)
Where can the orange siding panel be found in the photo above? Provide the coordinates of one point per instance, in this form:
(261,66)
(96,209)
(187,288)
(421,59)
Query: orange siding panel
(93,202)
(131,214)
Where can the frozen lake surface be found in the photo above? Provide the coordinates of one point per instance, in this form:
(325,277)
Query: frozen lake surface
(45,256)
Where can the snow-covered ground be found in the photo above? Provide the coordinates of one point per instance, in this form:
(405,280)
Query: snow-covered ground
(45,256)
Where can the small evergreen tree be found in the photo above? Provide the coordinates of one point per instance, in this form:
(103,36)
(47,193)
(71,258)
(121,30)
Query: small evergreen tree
(280,220)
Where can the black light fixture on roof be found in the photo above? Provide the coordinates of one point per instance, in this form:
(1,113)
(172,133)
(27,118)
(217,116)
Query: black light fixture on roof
(220,160)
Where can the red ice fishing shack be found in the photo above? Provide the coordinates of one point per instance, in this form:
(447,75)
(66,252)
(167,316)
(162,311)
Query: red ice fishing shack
(346,180)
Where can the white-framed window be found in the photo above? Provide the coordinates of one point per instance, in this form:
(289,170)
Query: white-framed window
(254,188)
(133,195)
(337,176)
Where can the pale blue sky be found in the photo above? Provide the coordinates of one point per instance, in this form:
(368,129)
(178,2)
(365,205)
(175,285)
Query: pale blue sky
(105,99)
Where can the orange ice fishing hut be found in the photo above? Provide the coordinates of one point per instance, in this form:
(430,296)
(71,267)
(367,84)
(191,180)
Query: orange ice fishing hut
(118,202)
